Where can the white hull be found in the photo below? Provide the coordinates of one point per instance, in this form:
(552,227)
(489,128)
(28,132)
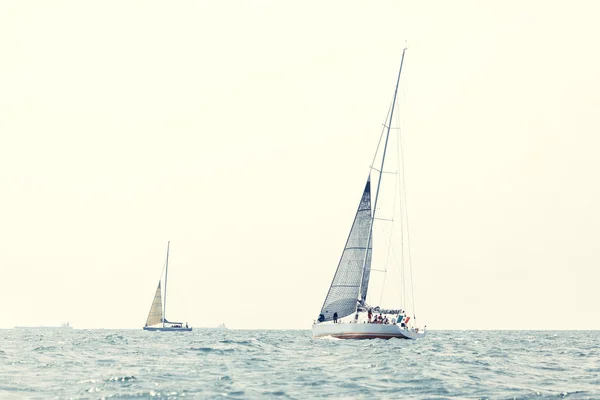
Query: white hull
(167,329)
(364,331)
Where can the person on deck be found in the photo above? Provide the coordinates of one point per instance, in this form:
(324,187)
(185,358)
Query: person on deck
(370,315)
(335,316)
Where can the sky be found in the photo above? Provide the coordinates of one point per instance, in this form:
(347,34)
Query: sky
(243,131)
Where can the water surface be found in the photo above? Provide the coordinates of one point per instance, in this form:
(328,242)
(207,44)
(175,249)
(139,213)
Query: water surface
(210,363)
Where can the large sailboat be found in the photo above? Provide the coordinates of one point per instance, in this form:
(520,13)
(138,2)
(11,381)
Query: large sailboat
(347,312)
(157,319)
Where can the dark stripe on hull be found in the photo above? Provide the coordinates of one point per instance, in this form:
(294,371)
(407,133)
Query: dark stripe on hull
(168,329)
(361,336)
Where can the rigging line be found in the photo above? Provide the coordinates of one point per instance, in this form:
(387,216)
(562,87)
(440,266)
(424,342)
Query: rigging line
(406,251)
(387,261)
(383,287)
(394,263)
(412,287)
(394,255)
(402,122)
(381,136)
(162,271)
(399,166)
(164,316)
(387,136)
(385,172)
(378,231)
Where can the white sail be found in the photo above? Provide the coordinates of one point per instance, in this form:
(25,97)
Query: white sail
(155,316)
(344,290)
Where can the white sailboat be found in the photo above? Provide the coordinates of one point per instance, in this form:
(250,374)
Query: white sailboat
(346,313)
(157,319)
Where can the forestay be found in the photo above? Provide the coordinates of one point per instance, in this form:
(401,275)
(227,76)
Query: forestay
(344,290)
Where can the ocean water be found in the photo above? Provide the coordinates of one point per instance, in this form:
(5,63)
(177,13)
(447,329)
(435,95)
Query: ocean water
(240,364)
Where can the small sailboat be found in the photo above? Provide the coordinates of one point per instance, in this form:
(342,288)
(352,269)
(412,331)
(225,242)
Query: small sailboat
(157,320)
(346,312)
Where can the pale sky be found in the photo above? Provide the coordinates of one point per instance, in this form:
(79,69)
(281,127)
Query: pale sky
(242,132)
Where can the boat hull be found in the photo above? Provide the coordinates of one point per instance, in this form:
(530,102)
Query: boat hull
(364,331)
(166,329)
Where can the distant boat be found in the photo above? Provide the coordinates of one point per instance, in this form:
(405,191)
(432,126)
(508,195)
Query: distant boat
(157,320)
(64,325)
(347,295)
(222,326)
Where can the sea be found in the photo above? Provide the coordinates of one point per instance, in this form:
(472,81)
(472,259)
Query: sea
(290,364)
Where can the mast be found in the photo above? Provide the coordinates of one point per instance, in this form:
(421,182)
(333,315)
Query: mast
(166,275)
(387,136)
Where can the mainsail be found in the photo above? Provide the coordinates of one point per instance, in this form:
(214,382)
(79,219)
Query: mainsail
(344,290)
(155,316)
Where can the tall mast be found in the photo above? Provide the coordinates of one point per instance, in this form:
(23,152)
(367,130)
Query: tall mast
(166,275)
(387,136)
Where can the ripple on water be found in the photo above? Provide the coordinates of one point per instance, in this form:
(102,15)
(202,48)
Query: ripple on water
(44,349)
(212,350)
(121,379)
(291,364)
